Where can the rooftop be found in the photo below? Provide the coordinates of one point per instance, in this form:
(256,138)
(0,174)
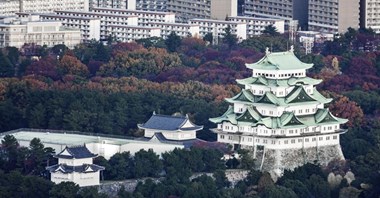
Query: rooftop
(279,61)
(75,152)
(169,123)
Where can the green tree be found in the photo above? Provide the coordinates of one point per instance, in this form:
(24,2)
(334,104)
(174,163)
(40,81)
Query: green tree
(271,30)
(208,38)
(9,152)
(91,192)
(120,167)
(221,180)
(278,191)
(317,186)
(6,67)
(64,190)
(229,38)
(147,164)
(173,42)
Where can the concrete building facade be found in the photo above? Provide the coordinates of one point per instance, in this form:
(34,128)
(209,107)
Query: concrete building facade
(333,16)
(122,4)
(218,27)
(202,9)
(16,31)
(11,7)
(151,5)
(278,9)
(256,26)
(370,14)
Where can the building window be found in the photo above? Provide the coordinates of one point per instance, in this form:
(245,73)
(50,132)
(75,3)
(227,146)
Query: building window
(306,139)
(320,138)
(313,139)
(293,141)
(273,142)
(286,142)
(299,140)
(221,136)
(230,137)
(335,137)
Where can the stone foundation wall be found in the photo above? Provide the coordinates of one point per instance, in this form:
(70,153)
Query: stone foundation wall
(277,160)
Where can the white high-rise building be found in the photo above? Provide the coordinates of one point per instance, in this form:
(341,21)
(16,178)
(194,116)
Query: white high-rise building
(122,4)
(151,5)
(202,9)
(280,116)
(278,9)
(333,16)
(11,7)
(370,14)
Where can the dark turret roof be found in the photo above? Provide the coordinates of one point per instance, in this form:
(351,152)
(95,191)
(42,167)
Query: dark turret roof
(169,123)
(85,168)
(75,152)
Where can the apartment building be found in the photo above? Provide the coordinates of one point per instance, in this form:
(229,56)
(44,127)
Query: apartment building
(127,33)
(89,27)
(182,30)
(217,27)
(333,16)
(144,17)
(124,25)
(256,26)
(123,4)
(16,32)
(151,5)
(278,9)
(11,7)
(370,14)
(202,9)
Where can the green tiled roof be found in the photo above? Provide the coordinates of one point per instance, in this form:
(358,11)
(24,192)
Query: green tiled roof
(229,116)
(298,94)
(286,120)
(250,115)
(270,98)
(245,96)
(278,82)
(279,61)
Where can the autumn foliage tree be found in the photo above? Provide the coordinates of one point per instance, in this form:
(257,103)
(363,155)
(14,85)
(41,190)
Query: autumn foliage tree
(71,65)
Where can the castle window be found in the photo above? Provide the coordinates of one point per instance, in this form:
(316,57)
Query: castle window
(273,142)
(307,110)
(293,141)
(300,111)
(273,131)
(257,140)
(249,139)
(265,141)
(290,131)
(286,142)
(306,139)
(335,137)
(271,112)
(299,140)
(313,139)
(230,137)
(221,136)
(320,138)
(282,131)
(327,137)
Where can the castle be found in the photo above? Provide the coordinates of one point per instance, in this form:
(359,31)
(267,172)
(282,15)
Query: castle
(280,116)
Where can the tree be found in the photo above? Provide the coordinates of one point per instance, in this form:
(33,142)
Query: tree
(147,164)
(71,65)
(208,38)
(221,180)
(229,38)
(317,186)
(6,67)
(173,42)
(9,153)
(278,191)
(271,30)
(64,190)
(120,167)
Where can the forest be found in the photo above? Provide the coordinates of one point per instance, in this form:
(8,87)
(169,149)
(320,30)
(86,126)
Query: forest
(110,88)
